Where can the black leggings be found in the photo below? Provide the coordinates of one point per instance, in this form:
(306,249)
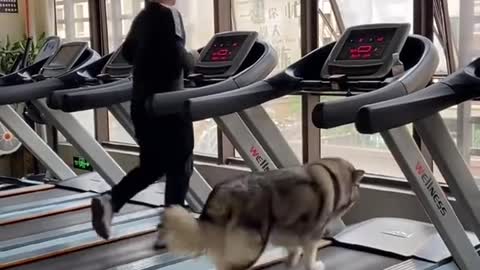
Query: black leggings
(155,163)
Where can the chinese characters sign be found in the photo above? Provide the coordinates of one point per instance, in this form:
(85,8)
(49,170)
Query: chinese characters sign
(8,6)
(277,21)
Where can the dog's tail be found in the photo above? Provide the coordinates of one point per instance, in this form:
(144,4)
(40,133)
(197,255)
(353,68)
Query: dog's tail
(182,232)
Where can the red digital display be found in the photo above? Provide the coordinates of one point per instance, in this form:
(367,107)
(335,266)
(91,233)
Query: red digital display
(224,49)
(366,45)
(222,54)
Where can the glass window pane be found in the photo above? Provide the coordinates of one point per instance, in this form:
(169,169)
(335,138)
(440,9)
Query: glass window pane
(82,30)
(327,24)
(278,22)
(120,15)
(355,12)
(61,31)
(116,131)
(72,25)
(86,119)
(206,137)
(465,33)
(60,12)
(367,152)
(198,19)
(286,113)
(81,10)
(199,24)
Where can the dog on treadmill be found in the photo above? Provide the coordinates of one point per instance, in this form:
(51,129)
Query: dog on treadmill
(288,207)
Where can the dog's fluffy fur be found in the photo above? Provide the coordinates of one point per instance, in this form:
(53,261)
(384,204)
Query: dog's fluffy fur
(287,207)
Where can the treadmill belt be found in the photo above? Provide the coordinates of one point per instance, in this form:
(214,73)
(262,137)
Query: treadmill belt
(49,223)
(35,196)
(101,257)
(24,190)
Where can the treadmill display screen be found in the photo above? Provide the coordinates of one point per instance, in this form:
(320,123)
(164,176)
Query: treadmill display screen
(224,49)
(367,45)
(66,55)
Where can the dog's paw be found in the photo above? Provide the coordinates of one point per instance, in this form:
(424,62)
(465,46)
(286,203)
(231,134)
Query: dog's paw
(293,258)
(318,265)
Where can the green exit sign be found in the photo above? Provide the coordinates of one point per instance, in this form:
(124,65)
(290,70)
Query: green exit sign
(82,164)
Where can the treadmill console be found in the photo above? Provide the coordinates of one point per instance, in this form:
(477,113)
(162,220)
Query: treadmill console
(225,53)
(64,59)
(50,46)
(117,66)
(366,51)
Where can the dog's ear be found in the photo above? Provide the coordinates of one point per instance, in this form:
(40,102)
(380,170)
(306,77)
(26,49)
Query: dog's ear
(357,176)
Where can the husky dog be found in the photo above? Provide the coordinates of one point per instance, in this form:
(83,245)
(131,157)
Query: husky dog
(287,207)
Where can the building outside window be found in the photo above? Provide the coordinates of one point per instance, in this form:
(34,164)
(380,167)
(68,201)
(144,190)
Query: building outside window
(199,25)
(72,24)
(277,22)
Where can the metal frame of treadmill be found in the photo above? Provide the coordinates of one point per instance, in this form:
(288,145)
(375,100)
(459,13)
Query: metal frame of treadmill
(80,138)
(34,143)
(252,133)
(416,170)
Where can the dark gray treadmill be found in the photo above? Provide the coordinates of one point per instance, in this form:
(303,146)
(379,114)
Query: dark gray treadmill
(112,254)
(248,64)
(59,74)
(23,75)
(352,67)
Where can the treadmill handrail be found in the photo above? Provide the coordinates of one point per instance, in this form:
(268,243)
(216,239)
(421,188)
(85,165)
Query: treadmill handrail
(461,86)
(241,99)
(177,102)
(16,77)
(98,98)
(30,91)
(57,99)
(344,111)
(174,102)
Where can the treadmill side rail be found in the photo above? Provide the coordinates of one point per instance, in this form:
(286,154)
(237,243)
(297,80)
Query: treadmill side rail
(39,148)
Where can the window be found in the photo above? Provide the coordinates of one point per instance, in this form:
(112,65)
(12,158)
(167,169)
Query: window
(463,120)
(72,20)
(368,152)
(72,24)
(278,22)
(328,26)
(355,12)
(199,25)
(286,113)
(120,15)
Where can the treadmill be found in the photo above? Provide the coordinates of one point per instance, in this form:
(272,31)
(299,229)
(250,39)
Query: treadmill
(422,108)
(65,240)
(367,59)
(21,74)
(250,60)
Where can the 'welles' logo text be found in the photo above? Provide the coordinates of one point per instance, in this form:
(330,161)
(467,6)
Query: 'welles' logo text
(260,160)
(428,182)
